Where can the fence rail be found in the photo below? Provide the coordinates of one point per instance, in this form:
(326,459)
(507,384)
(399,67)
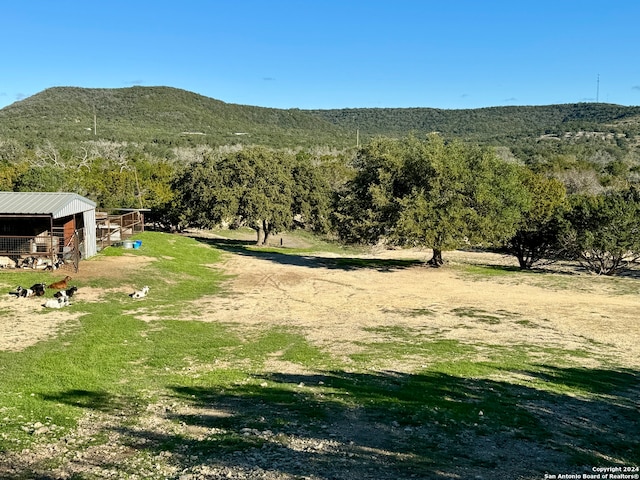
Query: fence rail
(113,229)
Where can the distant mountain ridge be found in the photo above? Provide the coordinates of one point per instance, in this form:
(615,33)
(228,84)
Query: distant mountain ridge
(483,124)
(177,117)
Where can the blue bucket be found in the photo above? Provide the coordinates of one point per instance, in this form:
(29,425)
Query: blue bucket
(137,244)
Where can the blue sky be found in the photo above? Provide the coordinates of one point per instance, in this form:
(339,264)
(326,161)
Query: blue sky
(329,53)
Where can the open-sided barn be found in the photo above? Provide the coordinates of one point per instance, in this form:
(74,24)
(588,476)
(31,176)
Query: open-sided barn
(46,229)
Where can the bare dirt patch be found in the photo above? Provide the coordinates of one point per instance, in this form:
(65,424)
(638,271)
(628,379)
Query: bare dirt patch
(338,307)
(111,267)
(28,322)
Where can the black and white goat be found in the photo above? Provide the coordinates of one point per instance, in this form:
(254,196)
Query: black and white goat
(57,263)
(23,292)
(66,293)
(42,263)
(140,293)
(39,289)
(57,302)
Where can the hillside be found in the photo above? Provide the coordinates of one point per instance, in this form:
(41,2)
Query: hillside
(499,125)
(170,116)
(158,115)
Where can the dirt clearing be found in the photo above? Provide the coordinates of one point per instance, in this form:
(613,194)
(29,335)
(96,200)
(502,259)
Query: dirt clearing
(338,307)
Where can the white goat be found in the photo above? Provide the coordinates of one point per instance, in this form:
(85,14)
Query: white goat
(140,293)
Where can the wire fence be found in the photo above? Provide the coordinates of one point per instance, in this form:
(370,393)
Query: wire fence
(50,250)
(61,248)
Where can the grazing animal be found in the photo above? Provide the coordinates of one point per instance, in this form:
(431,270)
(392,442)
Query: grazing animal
(140,293)
(23,292)
(60,285)
(38,289)
(57,302)
(66,293)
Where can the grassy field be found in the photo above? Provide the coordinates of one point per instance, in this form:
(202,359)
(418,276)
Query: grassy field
(142,389)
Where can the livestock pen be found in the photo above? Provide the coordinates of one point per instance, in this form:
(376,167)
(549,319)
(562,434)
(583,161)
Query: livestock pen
(113,229)
(46,230)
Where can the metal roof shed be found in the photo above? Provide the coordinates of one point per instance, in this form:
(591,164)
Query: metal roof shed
(42,217)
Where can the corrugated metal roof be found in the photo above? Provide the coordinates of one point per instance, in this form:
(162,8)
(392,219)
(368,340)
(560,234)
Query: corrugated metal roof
(56,204)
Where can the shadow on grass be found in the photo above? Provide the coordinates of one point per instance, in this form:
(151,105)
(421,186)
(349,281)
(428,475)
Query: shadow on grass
(497,270)
(391,425)
(99,401)
(242,247)
(594,381)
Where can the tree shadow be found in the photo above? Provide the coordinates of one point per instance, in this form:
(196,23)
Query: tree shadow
(228,243)
(249,249)
(632,272)
(535,270)
(92,400)
(393,425)
(595,381)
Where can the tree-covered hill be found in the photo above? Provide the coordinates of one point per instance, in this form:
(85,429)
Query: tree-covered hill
(498,125)
(170,116)
(194,160)
(159,115)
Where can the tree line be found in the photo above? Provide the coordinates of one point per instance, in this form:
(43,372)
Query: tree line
(431,192)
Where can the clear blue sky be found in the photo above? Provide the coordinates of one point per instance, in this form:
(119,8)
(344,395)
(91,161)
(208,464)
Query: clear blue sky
(329,53)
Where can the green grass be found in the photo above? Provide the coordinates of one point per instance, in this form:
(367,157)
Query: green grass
(102,356)
(482,271)
(555,280)
(446,397)
(296,242)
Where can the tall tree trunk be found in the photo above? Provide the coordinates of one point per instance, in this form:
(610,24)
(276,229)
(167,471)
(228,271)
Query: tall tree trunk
(260,234)
(524,259)
(436,259)
(267,231)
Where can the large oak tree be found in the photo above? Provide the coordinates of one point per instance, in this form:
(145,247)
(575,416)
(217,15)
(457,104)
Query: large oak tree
(267,190)
(430,193)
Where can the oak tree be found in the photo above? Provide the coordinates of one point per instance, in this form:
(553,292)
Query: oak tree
(264,189)
(604,232)
(430,193)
